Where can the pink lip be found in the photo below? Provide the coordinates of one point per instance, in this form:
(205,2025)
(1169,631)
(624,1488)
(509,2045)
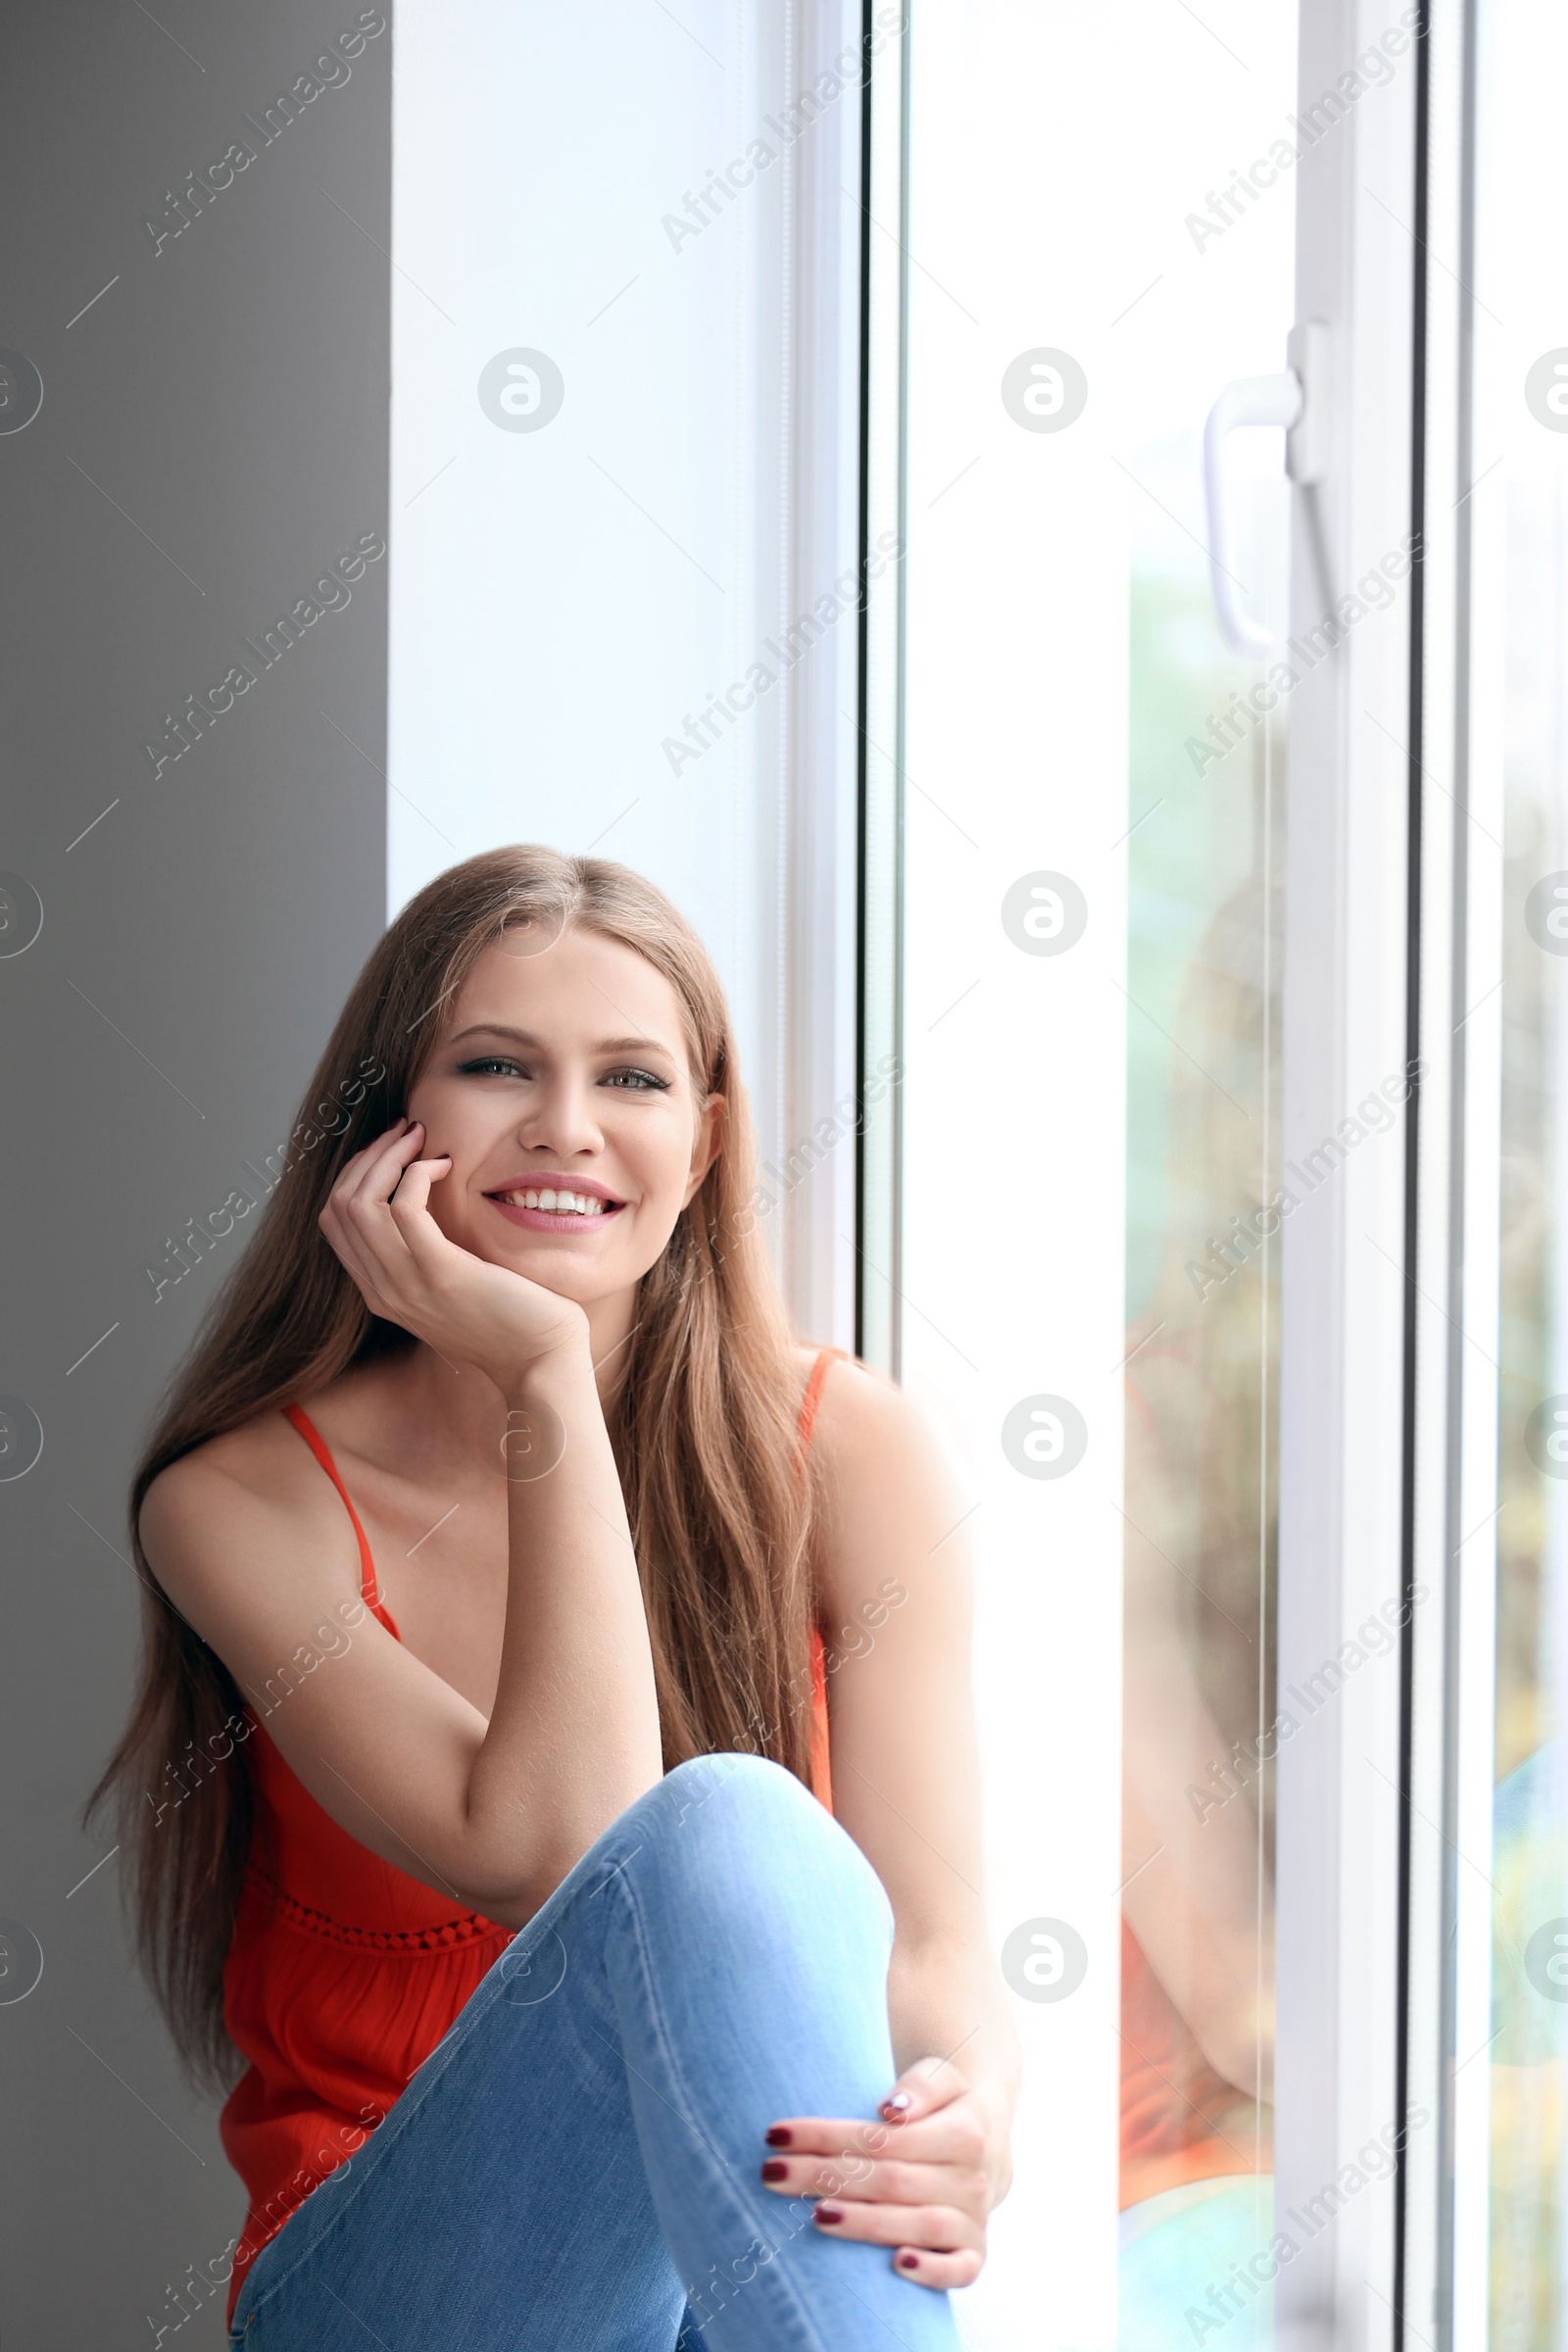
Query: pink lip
(542,1220)
(537,1180)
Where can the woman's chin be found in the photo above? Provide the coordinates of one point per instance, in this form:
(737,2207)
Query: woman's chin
(554,1265)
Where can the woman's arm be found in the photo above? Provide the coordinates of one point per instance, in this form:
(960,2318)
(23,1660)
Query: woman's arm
(1197,1897)
(493,1813)
(895,1596)
(1196,1893)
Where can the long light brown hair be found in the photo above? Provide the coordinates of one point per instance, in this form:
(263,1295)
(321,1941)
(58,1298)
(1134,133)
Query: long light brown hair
(704,1424)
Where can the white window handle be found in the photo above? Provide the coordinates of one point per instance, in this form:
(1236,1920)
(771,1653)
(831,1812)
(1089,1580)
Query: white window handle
(1292,399)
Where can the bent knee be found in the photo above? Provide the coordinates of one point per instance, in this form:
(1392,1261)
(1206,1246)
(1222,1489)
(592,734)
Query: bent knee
(746,1802)
(755,1785)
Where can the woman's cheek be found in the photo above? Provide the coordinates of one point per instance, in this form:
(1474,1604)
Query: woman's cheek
(456,1211)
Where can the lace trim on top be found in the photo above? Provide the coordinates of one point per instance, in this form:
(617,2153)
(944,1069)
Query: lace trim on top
(448,1934)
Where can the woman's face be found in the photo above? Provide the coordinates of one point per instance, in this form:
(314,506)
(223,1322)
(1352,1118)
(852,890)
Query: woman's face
(564,1073)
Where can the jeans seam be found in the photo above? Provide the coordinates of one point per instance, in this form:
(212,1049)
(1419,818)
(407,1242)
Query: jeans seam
(796,2310)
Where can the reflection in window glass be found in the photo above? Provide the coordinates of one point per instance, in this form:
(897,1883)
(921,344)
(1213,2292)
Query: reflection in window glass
(1523,585)
(1205,864)
(1203,963)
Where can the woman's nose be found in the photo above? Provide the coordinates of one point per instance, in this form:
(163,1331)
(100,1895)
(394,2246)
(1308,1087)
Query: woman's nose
(562,1116)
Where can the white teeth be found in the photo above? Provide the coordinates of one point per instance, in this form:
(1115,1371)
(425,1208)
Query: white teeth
(557,1203)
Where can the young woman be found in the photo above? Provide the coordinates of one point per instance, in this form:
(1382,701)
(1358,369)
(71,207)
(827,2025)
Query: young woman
(478,1783)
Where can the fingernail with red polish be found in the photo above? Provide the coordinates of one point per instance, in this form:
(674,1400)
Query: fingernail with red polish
(909,2261)
(828,2215)
(780,2136)
(775,2168)
(895,2109)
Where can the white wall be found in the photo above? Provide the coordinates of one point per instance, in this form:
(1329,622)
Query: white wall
(564,599)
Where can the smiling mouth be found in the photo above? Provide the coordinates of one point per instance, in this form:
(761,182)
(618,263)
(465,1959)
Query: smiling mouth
(556,1206)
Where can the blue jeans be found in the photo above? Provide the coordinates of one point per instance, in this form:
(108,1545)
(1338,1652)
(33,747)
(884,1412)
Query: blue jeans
(575,2167)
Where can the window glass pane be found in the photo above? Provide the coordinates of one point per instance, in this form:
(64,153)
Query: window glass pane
(1205,965)
(1521,624)
(1093,835)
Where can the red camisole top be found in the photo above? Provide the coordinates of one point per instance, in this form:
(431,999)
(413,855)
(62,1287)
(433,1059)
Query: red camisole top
(343,1973)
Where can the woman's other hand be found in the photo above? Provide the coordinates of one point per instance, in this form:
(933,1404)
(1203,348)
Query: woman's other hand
(921,2182)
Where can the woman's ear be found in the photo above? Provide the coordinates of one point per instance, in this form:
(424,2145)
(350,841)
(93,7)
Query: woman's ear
(707,1144)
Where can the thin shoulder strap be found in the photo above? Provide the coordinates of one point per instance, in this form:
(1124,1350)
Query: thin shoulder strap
(814,1392)
(313,1438)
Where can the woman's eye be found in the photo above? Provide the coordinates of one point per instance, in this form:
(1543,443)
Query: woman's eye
(502,1065)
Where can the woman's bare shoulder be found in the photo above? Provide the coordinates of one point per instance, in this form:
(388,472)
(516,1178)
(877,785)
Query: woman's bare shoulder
(247,1486)
(250,1457)
(861,1412)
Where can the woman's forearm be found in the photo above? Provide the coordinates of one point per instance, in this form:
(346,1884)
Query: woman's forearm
(573,1736)
(948,2004)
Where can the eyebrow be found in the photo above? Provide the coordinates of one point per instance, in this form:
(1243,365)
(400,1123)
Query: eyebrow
(525,1037)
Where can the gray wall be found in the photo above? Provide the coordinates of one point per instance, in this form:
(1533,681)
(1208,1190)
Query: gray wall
(212,434)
